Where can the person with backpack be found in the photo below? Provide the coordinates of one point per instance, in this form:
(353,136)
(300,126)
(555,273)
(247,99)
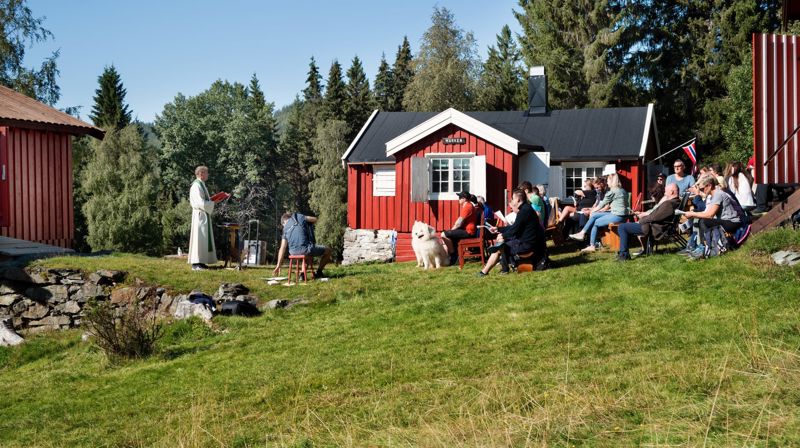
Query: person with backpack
(298,239)
(720,214)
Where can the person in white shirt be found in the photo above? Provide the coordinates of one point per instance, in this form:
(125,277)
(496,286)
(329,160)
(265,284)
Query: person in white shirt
(740,183)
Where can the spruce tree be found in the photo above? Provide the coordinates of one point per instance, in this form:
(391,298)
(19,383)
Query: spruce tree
(335,95)
(109,109)
(358,105)
(329,187)
(312,93)
(402,74)
(503,85)
(446,69)
(121,187)
(382,93)
(297,160)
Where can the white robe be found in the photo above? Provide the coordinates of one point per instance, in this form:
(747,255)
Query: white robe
(201,236)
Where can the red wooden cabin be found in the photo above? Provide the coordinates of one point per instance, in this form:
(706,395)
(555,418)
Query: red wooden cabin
(408,166)
(776,108)
(36,169)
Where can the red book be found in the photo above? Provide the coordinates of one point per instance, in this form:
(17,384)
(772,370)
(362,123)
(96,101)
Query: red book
(221,196)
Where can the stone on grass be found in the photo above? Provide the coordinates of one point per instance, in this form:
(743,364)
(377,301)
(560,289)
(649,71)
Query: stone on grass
(277,303)
(123,296)
(186,309)
(35,311)
(72,307)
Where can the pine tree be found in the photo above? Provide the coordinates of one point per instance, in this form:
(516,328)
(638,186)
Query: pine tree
(297,159)
(383,86)
(109,108)
(329,187)
(359,98)
(402,74)
(335,95)
(121,185)
(313,91)
(503,85)
(446,69)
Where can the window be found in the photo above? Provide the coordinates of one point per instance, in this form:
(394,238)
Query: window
(450,175)
(574,176)
(383,180)
(441,176)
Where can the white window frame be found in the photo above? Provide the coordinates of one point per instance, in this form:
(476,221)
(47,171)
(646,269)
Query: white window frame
(387,177)
(583,166)
(451,195)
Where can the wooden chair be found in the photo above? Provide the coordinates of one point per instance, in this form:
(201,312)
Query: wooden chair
(298,264)
(465,246)
(552,230)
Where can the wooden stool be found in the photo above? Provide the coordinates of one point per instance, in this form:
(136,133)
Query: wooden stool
(611,238)
(297,264)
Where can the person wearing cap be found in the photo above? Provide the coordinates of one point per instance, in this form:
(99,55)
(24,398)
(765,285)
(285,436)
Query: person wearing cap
(680,177)
(720,212)
(463,227)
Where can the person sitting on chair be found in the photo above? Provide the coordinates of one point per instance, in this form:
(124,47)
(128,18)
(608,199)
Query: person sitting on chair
(611,210)
(298,238)
(464,227)
(525,235)
(650,223)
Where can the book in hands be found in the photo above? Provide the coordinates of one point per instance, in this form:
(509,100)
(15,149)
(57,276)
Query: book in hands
(221,196)
(506,219)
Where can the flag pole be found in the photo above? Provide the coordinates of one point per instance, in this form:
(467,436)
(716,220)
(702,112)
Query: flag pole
(677,147)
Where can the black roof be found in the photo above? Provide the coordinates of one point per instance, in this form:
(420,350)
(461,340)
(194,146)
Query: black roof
(569,135)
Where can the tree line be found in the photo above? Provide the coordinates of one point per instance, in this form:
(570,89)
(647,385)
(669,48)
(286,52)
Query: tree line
(691,59)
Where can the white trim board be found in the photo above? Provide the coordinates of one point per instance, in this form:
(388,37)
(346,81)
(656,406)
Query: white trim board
(460,119)
(358,137)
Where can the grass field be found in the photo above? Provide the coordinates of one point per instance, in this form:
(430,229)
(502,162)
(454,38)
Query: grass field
(653,352)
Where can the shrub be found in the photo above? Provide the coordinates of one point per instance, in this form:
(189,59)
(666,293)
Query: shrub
(124,333)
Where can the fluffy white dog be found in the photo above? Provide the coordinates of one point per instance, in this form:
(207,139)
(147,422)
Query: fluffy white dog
(430,253)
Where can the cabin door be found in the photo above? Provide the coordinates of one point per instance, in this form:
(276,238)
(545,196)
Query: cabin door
(4,174)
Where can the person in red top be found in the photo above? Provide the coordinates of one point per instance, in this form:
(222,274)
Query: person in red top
(464,227)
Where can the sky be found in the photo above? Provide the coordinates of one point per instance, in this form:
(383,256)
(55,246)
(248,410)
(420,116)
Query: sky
(162,48)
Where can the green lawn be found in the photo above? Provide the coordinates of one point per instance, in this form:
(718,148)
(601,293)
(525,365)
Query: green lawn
(654,352)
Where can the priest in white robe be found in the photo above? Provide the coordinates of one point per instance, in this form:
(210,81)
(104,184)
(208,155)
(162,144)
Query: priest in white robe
(201,240)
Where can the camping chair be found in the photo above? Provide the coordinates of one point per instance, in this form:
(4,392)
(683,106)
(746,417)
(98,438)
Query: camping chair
(672,232)
(465,246)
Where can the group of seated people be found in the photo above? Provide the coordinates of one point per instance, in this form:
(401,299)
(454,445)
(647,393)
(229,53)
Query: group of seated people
(719,206)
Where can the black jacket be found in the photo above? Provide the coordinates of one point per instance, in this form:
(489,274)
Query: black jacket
(526,228)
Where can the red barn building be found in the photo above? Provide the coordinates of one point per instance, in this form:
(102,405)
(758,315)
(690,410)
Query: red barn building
(36,169)
(408,166)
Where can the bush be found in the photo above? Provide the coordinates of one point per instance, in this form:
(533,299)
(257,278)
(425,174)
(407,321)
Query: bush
(124,333)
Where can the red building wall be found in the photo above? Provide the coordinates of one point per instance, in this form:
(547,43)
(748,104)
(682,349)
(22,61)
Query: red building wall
(367,212)
(776,112)
(36,197)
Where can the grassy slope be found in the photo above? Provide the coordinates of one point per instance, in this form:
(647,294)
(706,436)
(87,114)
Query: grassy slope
(653,352)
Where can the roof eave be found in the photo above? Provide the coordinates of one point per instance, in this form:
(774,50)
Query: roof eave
(55,127)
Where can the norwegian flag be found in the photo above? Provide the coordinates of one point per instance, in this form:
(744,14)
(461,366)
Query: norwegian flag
(692,153)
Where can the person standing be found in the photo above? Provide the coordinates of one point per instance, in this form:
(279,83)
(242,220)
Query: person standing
(201,239)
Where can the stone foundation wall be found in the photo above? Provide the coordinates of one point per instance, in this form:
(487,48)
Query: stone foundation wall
(52,299)
(362,246)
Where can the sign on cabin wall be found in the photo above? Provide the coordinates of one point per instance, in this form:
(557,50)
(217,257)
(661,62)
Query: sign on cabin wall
(454,140)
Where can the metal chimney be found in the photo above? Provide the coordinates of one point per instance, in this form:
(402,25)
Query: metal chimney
(537,91)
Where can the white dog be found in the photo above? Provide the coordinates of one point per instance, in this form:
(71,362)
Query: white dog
(430,253)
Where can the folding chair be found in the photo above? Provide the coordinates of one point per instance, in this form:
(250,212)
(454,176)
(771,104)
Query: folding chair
(672,232)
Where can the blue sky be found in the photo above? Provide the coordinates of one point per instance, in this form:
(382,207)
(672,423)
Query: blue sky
(161,48)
